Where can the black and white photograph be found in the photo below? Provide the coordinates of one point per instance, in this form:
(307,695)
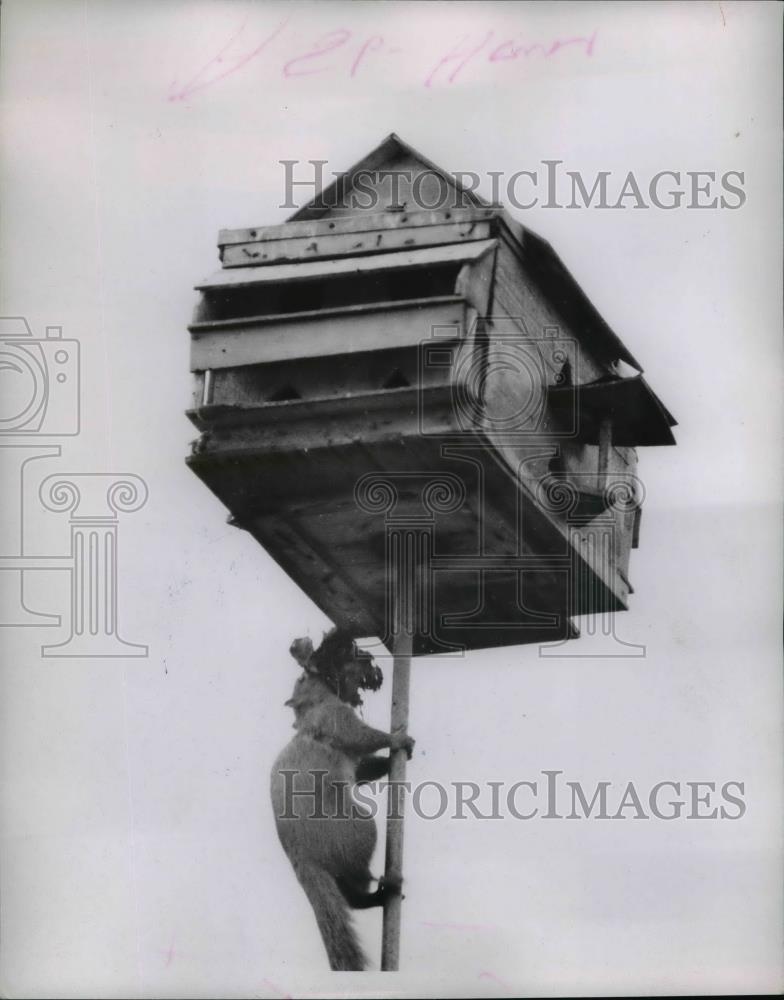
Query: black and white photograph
(391,524)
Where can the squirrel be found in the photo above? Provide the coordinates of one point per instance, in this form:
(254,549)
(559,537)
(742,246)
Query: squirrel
(328,837)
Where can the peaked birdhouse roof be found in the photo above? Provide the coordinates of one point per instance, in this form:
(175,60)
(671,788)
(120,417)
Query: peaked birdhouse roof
(343,197)
(390,152)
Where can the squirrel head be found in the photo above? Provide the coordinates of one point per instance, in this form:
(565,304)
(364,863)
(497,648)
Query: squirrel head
(339,663)
(346,668)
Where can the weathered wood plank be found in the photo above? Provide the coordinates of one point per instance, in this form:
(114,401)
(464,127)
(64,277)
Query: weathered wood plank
(232,343)
(289,427)
(312,269)
(351,244)
(475,281)
(353,224)
(331,588)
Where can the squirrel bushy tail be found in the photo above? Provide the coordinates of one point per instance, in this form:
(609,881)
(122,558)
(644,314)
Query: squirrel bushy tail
(333,917)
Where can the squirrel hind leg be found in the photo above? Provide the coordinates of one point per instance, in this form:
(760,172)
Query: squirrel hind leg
(358,896)
(372,768)
(356,891)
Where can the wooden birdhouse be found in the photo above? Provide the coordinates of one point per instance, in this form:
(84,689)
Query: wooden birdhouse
(371,378)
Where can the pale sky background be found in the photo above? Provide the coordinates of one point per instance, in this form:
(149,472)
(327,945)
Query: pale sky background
(138,855)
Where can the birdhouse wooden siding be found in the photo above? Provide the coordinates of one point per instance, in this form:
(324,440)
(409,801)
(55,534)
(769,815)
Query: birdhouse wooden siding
(437,352)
